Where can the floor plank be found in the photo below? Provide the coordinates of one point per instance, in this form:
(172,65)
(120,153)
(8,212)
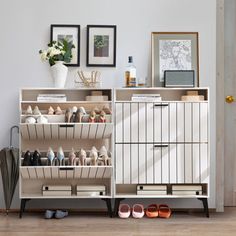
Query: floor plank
(180,224)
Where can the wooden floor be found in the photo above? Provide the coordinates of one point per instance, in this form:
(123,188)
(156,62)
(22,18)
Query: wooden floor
(181,224)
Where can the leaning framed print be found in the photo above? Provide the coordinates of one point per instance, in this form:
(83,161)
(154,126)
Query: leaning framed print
(71,33)
(101,45)
(174,51)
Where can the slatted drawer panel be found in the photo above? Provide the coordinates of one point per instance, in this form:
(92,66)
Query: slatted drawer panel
(181,122)
(162,163)
(56,172)
(67,131)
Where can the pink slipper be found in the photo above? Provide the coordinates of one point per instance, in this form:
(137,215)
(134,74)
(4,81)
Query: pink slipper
(124,211)
(138,211)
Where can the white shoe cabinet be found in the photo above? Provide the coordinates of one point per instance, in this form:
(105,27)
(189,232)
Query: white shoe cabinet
(161,143)
(67,135)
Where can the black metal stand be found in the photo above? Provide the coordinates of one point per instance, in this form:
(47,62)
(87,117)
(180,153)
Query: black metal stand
(22,206)
(109,208)
(205,206)
(116,207)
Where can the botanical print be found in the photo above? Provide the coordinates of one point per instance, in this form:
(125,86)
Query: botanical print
(101,45)
(174,55)
(61,37)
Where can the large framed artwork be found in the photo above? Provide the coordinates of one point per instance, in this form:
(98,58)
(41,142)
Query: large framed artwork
(71,33)
(101,45)
(177,51)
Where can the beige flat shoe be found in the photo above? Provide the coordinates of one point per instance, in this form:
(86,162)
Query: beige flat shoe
(29,111)
(36,111)
(58,111)
(50,111)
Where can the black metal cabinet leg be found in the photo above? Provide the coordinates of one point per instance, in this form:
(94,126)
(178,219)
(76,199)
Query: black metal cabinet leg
(116,207)
(22,206)
(109,208)
(205,206)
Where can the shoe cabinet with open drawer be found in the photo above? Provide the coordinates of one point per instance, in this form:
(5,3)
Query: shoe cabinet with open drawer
(58,128)
(161,142)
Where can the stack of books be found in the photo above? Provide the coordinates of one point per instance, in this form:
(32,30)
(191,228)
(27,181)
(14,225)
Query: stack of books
(57,190)
(91,190)
(152,189)
(146,98)
(186,189)
(51,98)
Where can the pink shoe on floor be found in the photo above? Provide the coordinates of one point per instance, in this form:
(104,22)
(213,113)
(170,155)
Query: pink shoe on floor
(138,211)
(124,211)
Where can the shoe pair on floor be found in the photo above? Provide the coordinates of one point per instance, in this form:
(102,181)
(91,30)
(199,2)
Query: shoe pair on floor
(58,214)
(152,211)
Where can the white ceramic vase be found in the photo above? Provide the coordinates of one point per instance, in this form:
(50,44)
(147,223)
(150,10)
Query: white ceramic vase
(59,73)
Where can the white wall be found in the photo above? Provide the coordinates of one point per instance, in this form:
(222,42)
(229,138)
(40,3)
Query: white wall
(25,29)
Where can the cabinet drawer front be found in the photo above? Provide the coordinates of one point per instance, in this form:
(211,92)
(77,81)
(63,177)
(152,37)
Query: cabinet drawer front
(134,122)
(162,163)
(182,122)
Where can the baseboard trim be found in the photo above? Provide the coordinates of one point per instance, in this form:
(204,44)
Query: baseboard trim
(100,211)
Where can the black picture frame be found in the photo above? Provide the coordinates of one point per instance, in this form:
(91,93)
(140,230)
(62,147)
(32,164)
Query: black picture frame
(75,33)
(101,56)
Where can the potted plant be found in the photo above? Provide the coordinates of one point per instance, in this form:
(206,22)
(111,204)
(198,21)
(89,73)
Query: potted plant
(58,53)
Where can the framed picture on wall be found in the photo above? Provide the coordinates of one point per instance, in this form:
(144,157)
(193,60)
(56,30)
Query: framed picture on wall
(174,51)
(71,33)
(101,45)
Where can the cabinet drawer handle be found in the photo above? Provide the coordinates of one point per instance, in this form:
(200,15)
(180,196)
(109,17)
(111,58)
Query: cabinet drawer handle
(161,145)
(66,126)
(161,105)
(66,168)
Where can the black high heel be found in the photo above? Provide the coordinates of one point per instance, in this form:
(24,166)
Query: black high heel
(27,159)
(36,160)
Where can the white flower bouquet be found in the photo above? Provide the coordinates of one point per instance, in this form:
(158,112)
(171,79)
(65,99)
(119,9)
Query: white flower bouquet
(57,51)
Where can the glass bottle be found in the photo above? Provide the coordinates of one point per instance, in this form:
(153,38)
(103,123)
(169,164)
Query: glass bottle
(130,73)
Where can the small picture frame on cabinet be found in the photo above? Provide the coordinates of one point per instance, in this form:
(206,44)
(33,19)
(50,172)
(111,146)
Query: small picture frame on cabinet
(101,45)
(71,33)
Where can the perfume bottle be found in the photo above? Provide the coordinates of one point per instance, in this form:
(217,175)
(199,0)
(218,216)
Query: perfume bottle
(130,73)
